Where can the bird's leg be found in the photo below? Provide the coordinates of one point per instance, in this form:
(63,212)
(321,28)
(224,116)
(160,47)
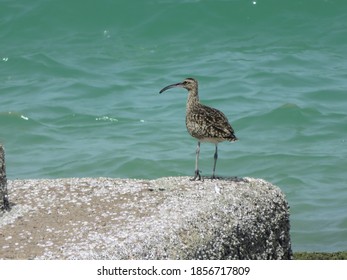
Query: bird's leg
(197,171)
(215,162)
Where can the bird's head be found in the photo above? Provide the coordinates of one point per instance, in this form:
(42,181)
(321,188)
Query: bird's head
(189,84)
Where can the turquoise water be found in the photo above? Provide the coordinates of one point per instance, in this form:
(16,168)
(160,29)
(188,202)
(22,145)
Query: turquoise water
(79,83)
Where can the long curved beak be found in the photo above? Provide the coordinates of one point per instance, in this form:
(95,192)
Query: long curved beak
(171,86)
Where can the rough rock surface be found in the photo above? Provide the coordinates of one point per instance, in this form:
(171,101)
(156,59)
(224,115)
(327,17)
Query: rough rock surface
(4,203)
(167,218)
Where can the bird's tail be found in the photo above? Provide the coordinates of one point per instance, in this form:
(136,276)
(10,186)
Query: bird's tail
(232,138)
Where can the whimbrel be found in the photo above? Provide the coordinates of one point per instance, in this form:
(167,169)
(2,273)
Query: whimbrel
(204,123)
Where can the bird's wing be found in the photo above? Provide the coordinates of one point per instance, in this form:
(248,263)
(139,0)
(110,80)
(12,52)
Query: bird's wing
(216,122)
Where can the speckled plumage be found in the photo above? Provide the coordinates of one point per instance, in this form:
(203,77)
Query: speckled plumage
(208,124)
(204,123)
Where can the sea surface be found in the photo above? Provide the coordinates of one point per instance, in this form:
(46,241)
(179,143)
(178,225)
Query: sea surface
(80,81)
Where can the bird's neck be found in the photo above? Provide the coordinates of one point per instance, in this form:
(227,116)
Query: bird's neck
(193,98)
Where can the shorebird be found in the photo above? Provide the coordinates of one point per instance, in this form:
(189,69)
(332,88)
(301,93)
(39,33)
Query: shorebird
(204,123)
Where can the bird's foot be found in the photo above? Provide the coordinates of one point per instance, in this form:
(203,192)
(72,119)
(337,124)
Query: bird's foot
(197,176)
(214,177)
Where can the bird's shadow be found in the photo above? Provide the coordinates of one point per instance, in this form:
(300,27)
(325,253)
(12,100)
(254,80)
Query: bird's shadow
(6,207)
(222,178)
